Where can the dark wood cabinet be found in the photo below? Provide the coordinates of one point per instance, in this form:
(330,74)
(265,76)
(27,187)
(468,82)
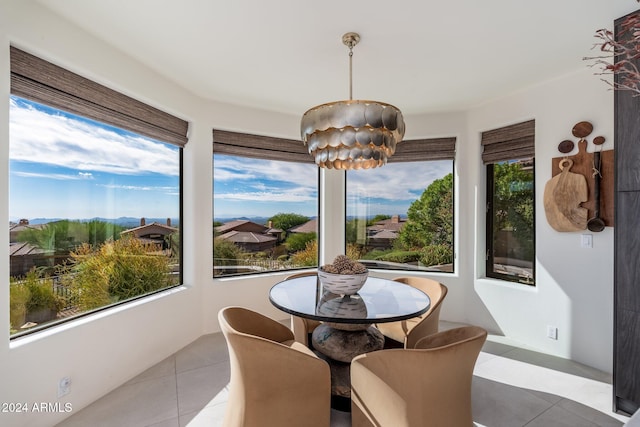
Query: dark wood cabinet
(626,368)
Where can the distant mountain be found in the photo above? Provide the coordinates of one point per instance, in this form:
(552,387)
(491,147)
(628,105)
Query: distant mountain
(256,219)
(124,221)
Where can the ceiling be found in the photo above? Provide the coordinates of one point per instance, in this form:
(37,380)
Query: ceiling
(287,55)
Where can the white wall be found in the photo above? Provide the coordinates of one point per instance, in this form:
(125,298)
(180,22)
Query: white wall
(100,352)
(574,286)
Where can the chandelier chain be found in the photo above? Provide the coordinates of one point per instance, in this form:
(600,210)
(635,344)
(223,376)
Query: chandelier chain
(350,73)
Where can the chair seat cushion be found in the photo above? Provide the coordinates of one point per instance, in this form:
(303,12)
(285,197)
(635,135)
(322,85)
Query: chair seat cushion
(398,330)
(299,346)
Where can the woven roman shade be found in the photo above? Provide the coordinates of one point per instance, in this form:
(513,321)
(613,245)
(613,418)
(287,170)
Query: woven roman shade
(260,147)
(267,147)
(416,150)
(509,142)
(43,82)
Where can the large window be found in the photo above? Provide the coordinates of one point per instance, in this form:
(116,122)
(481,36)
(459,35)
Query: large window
(400,216)
(510,203)
(95,207)
(265,208)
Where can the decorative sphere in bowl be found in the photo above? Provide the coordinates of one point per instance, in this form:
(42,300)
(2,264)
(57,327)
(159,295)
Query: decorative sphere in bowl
(342,284)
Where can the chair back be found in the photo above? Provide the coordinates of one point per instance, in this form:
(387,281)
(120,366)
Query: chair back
(429,385)
(410,331)
(301,274)
(300,326)
(274,380)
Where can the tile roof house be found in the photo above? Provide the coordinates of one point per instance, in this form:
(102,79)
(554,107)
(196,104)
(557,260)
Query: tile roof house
(382,234)
(153,233)
(310,226)
(250,236)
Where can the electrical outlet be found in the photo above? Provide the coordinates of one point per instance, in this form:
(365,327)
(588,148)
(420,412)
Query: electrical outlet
(552,332)
(64,386)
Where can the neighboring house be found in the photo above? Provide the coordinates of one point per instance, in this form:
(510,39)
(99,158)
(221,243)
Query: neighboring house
(251,242)
(241,225)
(275,232)
(16,229)
(382,234)
(310,226)
(250,236)
(24,256)
(154,233)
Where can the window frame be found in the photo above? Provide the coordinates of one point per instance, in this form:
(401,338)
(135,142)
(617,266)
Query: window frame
(265,148)
(422,150)
(489,237)
(508,143)
(43,82)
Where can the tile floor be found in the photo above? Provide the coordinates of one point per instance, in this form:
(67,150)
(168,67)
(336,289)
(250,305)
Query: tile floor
(512,387)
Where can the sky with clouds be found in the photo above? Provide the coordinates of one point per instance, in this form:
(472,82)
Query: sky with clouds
(253,187)
(65,166)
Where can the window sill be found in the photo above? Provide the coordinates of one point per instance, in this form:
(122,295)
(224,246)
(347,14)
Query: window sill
(20,341)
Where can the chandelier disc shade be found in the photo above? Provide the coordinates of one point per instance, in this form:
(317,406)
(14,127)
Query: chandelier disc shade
(353,134)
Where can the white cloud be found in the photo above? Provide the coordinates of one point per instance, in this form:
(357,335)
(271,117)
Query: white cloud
(39,137)
(56,176)
(282,197)
(139,188)
(236,169)
(398,181)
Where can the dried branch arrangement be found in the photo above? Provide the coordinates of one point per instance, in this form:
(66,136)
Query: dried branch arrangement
(619,57)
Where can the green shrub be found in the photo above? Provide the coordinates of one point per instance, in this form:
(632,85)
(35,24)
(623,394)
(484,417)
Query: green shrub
(41,295)
(308,257)
(298,241)
(436,255)
(18,297)
(116,271)
(226,253)
(402,257)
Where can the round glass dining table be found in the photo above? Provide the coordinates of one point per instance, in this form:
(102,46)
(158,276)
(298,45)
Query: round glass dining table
(379,300)
(347,320)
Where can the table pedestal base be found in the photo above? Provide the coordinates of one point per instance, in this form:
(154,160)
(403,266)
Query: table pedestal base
(338,347)
(344,345)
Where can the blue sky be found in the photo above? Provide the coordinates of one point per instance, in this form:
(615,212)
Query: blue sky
(254,187)
(64,166)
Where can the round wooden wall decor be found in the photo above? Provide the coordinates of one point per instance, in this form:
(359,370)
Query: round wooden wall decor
(566,146)
(582,129)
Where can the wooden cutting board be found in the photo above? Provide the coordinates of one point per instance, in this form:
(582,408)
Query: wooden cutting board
(583,164)
(563,195)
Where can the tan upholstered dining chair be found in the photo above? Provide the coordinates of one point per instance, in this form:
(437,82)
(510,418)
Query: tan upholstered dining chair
(406,333)
(300,326)
(426,386)
(275,380)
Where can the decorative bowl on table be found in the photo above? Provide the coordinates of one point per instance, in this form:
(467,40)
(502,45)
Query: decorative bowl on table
(343,277)
(342,284)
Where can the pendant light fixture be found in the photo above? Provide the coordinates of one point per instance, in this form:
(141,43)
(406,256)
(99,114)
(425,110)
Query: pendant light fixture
(353,134)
